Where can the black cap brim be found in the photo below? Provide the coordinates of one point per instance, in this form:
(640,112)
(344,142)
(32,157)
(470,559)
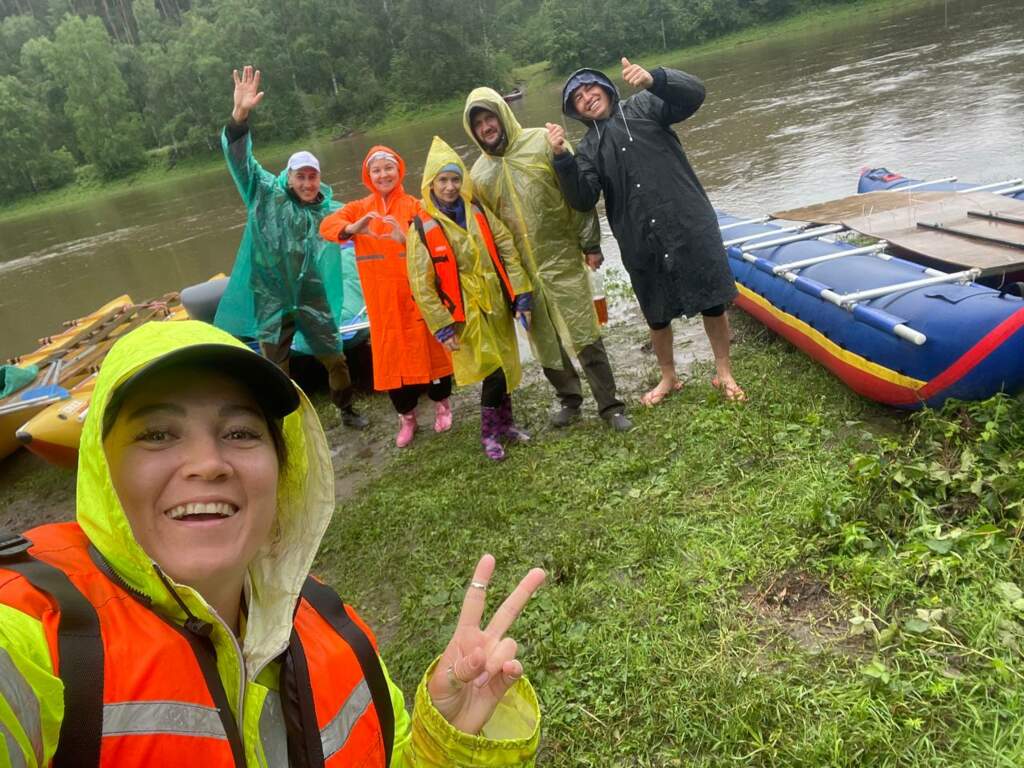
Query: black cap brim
(269,385)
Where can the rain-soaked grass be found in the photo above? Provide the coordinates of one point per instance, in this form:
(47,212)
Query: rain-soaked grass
(805,580)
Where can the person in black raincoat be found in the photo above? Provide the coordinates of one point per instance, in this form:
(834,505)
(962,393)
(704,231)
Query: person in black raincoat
(659,213)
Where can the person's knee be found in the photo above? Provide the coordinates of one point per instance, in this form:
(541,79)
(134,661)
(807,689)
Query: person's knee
(658,326)
(716,311)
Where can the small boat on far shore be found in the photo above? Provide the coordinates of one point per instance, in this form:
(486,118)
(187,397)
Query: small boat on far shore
(514,95)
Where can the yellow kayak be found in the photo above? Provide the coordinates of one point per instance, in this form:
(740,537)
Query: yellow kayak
(53,433)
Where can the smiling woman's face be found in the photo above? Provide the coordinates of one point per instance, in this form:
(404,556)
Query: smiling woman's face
(192,461)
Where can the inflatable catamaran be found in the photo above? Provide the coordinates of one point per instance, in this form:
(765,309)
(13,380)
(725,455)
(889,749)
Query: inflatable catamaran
(902,320)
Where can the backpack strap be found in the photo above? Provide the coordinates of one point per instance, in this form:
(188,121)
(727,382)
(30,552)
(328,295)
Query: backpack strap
(80,647)
(329,605)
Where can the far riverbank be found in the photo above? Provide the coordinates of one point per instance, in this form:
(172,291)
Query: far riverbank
(532,76)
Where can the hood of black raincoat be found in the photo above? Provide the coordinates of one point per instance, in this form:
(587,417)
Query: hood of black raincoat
(582,77)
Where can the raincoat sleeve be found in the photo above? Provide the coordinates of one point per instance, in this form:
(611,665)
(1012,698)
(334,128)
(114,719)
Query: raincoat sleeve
(333,226)
(426,740)
(579,180)
(422,281)
(250,177)
(588,227)
(506,244)
(673,97)
(31,696)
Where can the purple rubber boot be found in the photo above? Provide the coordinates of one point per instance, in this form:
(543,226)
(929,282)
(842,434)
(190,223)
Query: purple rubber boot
(507,428)
(490,422)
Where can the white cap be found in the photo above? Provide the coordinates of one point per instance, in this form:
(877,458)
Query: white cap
(303,160)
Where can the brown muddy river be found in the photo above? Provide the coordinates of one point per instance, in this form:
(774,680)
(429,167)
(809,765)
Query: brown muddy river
(934,90)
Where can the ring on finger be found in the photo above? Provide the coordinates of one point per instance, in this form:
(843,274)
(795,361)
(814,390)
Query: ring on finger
(453,681)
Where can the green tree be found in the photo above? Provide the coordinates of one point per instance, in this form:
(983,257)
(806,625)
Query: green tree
(81,59)
(25,167)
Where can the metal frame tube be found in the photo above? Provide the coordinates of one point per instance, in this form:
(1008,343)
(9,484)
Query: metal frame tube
(770,233)
(995,185)
(885,290)
(921,184)
(799,264)
(1010,191)
(761,220)
(809,234)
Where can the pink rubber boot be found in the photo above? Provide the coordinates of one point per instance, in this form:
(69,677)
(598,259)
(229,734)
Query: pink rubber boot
(406,429)
(442,415)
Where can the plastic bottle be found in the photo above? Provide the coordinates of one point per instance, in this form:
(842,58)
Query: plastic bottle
(597,291)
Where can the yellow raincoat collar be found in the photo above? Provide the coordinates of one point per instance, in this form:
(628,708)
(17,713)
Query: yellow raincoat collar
(491,100)
(305,500)
(438,157)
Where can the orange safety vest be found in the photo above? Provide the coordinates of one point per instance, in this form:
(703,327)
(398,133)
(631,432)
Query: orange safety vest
(446,268)
(144,691)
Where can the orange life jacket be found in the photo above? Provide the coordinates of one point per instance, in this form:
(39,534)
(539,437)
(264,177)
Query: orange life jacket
(446,268)
(140,690)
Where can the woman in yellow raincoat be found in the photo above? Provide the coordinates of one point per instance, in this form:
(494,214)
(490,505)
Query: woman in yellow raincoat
(175,621)
(468,281)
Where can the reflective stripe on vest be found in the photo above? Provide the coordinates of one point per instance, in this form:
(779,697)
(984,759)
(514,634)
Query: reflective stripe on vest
(14,753)
(154,690)
(446,268)
(334,735)
(144,718)
(15,690)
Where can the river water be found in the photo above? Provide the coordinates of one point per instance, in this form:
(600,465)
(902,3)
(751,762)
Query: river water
(932,90)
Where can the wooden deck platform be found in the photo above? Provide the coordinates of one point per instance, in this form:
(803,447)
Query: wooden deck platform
(945,229)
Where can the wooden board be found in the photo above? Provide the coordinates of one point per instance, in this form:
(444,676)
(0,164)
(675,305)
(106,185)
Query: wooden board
(894,216)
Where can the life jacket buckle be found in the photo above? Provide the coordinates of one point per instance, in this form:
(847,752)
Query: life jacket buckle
(12,545)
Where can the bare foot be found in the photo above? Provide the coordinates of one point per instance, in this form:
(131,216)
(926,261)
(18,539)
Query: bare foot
(660,392)
(730,390)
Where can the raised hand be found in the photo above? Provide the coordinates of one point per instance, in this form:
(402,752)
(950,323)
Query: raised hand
(480,665)
(636,75)
(247,92)
(556,138)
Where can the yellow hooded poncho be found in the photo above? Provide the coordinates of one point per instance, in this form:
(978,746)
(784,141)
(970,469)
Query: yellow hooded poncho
(487,340)
(31,696)
(519,184)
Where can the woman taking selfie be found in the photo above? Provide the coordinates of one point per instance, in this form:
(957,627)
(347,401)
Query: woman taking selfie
(175,621)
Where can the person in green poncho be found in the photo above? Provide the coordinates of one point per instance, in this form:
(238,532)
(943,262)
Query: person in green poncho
(277,288)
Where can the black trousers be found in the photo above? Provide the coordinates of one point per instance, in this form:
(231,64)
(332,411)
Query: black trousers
(598,372)
(338,378)
(493,390)
(405,398)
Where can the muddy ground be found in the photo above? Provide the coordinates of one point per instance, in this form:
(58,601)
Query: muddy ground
(33,492)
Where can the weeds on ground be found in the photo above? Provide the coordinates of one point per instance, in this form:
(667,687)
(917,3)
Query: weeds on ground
(663,636)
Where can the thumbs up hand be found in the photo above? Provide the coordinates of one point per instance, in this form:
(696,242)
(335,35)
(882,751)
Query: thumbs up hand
(636,75)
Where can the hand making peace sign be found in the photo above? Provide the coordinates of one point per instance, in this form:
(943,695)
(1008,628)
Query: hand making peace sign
(480,665)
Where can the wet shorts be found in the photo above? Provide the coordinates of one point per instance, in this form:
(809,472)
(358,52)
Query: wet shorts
(716,311)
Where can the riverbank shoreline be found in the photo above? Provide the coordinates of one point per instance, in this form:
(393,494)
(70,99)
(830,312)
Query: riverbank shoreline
(532,76)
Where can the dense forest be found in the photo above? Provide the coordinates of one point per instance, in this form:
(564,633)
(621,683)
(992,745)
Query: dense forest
(91,86)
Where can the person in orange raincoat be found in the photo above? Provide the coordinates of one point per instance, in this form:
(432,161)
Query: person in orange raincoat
(407,359)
